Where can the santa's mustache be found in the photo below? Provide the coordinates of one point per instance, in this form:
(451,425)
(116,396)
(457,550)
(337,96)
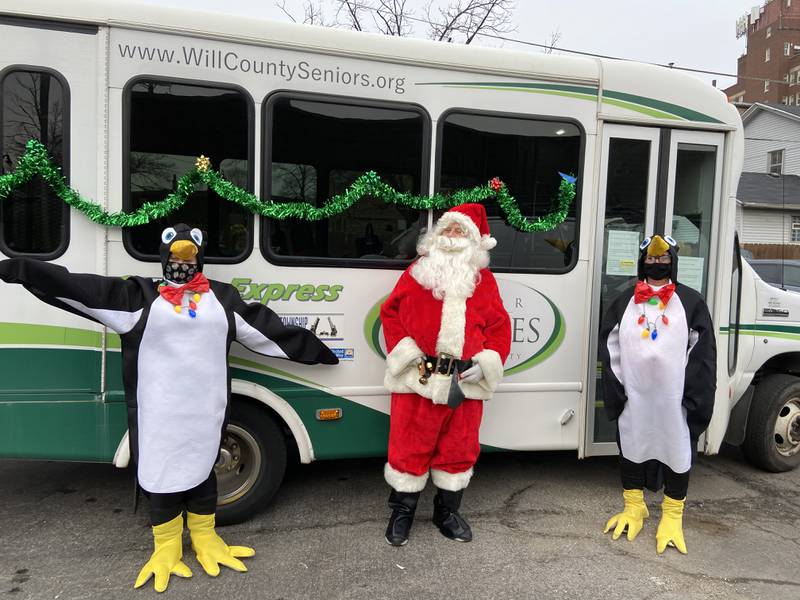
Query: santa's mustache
(452,244)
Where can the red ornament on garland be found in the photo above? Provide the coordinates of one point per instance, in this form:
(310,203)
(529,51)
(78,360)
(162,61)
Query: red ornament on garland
(496,184)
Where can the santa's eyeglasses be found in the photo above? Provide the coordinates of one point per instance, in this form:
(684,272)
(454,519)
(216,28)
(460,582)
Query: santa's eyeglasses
(665,259)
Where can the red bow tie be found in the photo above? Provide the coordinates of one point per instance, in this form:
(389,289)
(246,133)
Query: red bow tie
(644,292)
(174,294)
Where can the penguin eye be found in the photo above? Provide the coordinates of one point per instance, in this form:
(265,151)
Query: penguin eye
(670,241)
(645,243)
(168,235)
(197,236)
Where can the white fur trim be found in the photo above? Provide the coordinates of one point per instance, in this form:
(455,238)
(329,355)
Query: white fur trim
(453,324)
(403,355)
(436,389)
(492,366)
(451,482)
(488,242)
(467,224)
(404,482)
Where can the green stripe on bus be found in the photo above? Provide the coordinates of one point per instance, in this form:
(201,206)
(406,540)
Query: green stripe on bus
(668,107)
(48,335)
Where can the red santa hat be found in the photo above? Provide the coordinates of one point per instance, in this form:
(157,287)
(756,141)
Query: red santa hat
(472,218)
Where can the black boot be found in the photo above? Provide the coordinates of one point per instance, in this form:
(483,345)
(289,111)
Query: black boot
(446,517)
(403,505)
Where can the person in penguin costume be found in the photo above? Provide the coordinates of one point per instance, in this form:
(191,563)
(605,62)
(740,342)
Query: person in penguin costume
(175,334)
(659,359)
(447,336)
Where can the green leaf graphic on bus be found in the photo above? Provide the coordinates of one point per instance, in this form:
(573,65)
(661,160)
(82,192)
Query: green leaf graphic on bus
(537,326)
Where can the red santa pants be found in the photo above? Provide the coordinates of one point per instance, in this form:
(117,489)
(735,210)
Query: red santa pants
(425,436)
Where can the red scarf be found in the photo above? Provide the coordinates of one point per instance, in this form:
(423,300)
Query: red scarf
(644,292)
(174,294)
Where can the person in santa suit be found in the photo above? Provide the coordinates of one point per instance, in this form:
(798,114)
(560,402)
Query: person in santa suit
(175,334)
(659,358)
(447,336)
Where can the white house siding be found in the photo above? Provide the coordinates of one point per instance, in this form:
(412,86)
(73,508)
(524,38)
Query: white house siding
(765,226)
(766,132)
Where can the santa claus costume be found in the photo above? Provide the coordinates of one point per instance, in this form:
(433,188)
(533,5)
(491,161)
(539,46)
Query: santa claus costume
(447,335)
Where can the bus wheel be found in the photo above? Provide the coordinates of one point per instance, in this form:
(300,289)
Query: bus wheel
(772,441)
(251,463)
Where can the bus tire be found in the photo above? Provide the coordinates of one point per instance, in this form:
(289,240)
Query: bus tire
(252,462)
(772,438)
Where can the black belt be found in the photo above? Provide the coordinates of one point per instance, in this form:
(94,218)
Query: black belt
(445,364)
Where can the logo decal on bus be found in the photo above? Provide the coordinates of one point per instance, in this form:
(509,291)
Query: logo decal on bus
(537,326)
(252,291)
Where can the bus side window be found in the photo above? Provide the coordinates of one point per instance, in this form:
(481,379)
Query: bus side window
(35,105)
(170,124)
(318,146)
(527,155)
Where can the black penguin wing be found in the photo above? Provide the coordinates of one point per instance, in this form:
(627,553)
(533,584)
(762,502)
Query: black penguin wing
(114,302)
(700,382)
(614,397)
(259,329)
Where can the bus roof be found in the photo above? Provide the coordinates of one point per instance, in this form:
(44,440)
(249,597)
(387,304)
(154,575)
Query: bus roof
(623,78)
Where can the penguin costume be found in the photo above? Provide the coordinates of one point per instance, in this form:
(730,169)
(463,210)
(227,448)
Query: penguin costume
(175,335)
(659,358)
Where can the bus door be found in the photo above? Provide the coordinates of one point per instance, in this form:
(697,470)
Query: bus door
(651,180)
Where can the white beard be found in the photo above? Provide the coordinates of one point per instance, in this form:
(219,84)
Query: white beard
(449,266)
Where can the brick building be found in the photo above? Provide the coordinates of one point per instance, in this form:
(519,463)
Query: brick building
(772,54)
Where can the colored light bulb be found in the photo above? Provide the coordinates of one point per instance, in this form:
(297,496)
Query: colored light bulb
(196,297)
(641,319)
(654,335)
(177,308)
(653,300)
(664,319)
(645,334)
(192,313)
(192,305)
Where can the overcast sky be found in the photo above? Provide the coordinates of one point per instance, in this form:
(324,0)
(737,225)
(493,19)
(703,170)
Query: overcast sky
(691,33)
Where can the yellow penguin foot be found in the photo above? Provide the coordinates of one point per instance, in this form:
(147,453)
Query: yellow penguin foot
(211,550)
(670,529)
(631,518)
(166,558)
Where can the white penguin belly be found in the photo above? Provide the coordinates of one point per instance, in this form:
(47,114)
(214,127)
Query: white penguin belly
(653,423)
(182,394)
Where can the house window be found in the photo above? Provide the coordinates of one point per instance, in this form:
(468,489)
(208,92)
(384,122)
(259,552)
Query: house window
(787,48)
(766,85)
(775,162)
(797,99)
(791,100)
(769,34)
(766,55)
(796,228)
(784,100)
(791,78)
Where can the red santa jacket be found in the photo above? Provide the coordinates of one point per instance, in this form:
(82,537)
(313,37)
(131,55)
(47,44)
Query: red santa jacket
(415,323)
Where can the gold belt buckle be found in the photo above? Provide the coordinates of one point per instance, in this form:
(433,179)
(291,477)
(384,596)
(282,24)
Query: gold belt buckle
(450,366)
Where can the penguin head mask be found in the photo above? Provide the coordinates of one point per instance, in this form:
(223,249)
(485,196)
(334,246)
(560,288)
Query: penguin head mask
(187,244)
(658,245)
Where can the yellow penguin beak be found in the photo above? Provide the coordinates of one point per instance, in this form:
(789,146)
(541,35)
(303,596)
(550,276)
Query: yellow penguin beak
(657,247)
(183,249)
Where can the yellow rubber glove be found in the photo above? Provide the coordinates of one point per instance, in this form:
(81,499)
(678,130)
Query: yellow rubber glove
(211,550)
(670,529)
(166,558)
(632,516)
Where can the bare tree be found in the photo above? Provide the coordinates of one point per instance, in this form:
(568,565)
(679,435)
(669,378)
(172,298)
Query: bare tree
(312,13)
(470,18)
(555,36)
(392,17)
(352,12)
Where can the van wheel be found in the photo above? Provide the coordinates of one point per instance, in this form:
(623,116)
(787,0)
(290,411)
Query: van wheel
(251,463)
(772,440)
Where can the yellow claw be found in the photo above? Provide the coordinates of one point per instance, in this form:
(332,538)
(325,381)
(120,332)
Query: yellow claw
(631,518)
(211,550)
(670,529)
(166,557)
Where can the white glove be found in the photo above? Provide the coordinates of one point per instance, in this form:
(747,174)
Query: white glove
(472,375)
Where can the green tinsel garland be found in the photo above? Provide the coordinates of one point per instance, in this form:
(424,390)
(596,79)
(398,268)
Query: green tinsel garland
(36,161)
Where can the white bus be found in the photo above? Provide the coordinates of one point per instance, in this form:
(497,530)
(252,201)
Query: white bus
(125,97)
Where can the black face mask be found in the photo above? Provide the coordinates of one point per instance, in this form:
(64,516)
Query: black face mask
(179,272)
(657,271)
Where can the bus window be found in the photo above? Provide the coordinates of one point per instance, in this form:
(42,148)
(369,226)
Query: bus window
(526,154)
(35,105)
(170,124)
(318,146)
(733,307)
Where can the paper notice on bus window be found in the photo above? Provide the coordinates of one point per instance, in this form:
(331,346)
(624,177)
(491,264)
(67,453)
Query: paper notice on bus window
(623,253)
(690,271)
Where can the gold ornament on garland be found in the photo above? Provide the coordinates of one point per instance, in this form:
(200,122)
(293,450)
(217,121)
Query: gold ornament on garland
(35,161)
(203,163)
